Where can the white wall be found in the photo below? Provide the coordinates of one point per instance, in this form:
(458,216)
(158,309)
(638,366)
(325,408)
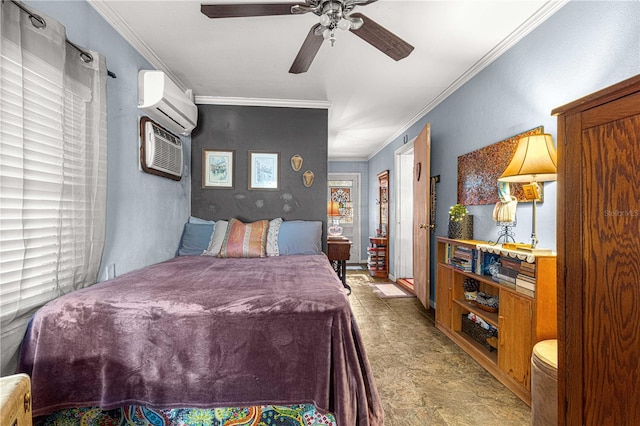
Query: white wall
(145,213)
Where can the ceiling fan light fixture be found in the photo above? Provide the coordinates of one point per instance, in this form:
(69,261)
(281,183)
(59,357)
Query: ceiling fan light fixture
(344,25)
(325,20)
(356,23)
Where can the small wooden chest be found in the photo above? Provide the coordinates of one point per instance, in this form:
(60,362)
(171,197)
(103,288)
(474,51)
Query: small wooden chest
(15,400)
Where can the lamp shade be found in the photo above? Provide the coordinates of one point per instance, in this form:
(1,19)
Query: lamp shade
(333,209)
(535,160)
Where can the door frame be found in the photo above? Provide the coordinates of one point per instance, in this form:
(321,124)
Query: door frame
(357,223)
(402,264)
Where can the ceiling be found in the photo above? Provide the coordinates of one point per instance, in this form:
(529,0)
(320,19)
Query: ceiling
(371,99)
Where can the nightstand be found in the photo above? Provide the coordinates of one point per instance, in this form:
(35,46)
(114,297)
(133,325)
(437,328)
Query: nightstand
(338,252)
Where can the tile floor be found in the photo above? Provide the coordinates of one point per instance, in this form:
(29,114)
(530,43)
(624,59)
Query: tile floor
(422,377)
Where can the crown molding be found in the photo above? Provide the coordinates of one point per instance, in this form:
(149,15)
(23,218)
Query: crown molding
(284,103)
(349,159)
(541,15)
(113,19)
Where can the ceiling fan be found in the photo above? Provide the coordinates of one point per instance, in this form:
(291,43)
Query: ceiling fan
(334,14)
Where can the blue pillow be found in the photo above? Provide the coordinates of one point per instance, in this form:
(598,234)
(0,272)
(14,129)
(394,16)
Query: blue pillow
(198,221)
(195,239)
(300,237)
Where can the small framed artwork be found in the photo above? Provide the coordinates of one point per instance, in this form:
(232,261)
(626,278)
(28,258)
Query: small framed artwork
(217,169)
(264,170)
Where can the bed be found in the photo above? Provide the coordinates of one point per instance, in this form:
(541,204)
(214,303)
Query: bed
(205,332)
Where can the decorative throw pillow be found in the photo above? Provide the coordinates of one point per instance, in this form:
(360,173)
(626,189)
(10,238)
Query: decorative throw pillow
(217,238)
(199,221)
(272,237)
(195,239)
(300,237)
(245,239)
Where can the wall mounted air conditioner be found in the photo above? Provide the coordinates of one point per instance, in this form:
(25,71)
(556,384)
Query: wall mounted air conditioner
(160,151)
(163,101)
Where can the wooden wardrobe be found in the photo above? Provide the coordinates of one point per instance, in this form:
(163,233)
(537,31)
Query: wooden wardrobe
(599,257)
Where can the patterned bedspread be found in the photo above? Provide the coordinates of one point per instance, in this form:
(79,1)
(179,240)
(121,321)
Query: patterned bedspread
(204,332)
(295,415)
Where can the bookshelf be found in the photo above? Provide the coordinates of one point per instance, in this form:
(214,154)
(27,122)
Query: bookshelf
(525,285)
(378,252)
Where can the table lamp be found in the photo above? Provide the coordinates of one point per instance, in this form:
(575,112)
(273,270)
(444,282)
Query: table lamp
(535,160)
(333,211)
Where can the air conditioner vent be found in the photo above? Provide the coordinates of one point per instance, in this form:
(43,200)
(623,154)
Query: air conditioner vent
(160,150)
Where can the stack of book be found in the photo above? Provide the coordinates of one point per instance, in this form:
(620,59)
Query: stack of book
(508,271)
(526,279)
(484,260)
(463,258)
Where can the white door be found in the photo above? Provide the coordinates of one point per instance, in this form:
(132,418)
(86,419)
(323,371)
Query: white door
(404,212)
(345,189)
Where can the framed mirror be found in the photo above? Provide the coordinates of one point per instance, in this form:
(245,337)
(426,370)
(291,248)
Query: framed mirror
(383,204)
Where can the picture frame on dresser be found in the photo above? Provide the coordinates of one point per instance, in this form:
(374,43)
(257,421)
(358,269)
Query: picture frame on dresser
(217,168)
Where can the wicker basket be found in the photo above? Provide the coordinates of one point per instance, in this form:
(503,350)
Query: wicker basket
(478,333)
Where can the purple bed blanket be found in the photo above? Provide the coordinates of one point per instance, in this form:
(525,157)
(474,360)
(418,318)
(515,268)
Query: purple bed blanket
(199,331)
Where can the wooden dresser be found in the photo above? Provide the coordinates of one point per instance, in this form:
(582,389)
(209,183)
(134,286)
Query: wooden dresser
(598,261)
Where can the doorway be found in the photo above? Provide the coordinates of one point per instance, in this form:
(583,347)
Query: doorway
(345,189)
(403,270)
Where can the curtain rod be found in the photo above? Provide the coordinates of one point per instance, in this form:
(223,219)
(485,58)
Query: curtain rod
(39,22)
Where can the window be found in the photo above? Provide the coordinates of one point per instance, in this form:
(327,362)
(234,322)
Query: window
(52,170)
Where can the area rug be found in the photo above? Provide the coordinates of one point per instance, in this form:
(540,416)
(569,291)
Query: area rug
(359,280)
(389,290)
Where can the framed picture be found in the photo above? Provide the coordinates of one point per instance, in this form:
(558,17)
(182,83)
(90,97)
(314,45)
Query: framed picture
(264,170)
(478,172)
(217,169)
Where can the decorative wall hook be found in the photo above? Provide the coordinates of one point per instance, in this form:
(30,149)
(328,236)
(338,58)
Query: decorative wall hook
(296,162)
(307,178)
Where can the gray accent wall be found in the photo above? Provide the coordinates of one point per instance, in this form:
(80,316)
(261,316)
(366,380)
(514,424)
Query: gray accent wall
(288,131)
(582,48)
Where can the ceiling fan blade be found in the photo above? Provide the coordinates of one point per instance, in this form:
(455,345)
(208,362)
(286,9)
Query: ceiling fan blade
(360,2)
(381,38)
(307,52)
(241,10)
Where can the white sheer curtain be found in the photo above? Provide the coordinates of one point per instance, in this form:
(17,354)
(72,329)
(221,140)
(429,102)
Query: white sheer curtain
(52,170)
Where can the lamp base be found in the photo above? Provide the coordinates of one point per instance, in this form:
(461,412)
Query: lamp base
(335,231)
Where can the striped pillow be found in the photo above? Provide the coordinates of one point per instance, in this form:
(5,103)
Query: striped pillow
(245,239)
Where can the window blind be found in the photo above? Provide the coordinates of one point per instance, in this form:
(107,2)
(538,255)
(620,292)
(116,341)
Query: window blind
(52,171)
(31,165)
